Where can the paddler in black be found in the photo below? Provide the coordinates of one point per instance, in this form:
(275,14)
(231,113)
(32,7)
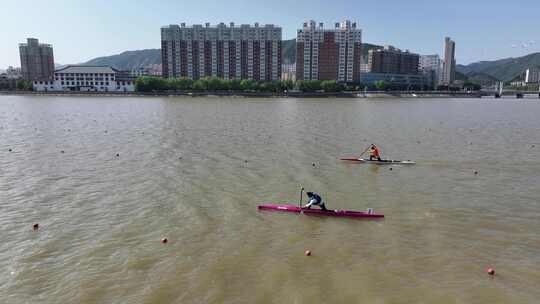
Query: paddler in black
(315,199)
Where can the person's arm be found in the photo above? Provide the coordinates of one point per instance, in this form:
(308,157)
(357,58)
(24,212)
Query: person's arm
(309,204)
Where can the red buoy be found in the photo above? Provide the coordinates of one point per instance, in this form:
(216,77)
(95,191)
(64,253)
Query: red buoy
(307,253)
(491,271)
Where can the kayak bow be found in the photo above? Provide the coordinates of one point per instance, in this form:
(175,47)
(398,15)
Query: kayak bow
(335,213)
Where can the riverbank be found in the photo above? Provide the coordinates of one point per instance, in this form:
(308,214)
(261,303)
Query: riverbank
(259,94)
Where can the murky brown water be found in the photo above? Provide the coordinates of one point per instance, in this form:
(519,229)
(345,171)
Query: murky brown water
(182,174)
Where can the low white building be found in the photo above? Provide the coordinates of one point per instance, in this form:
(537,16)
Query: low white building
(79,78)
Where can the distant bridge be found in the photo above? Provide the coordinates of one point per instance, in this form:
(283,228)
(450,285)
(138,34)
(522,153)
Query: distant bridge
(500,92)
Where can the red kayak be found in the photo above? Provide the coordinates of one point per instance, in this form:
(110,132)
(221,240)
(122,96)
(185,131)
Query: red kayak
(336,213)
(380,162)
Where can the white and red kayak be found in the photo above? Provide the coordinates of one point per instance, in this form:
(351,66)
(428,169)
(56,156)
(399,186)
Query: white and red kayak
(379,162)
(319,212)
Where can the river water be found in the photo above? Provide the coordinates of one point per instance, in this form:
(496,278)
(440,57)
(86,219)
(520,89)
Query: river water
(193,170)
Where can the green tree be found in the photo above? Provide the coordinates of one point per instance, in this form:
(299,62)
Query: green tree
(286,85)
(248,85)
(226,84)
(380,85)
(264,86)
(151,84)
(276,86)
(24,85)
(215,84)
(331,86)
(309,85)
(235,85)
(201,85)
(180,84)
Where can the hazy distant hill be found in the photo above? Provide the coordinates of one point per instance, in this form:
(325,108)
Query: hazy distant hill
(504,69)
(482,78)
(129,60)
(483,72)
(136,59)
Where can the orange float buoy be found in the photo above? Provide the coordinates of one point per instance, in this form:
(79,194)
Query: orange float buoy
(307,253)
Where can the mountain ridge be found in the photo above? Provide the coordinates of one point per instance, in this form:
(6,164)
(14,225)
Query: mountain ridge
(132,60)
(484,71)
(505,69)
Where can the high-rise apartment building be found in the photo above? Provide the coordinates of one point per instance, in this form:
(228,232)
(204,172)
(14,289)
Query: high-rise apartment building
(229,52)
(448,75)
(37,60)
(532,75)
(329,54)
(390,60)
(431,66)
(430,63)
(288,71)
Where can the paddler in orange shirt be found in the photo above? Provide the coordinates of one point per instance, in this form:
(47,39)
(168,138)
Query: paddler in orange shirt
(374,153)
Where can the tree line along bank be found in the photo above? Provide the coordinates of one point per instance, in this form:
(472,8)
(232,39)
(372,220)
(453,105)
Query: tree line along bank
(213,84)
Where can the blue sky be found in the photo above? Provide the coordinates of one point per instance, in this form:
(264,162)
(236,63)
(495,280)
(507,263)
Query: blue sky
(83,29)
